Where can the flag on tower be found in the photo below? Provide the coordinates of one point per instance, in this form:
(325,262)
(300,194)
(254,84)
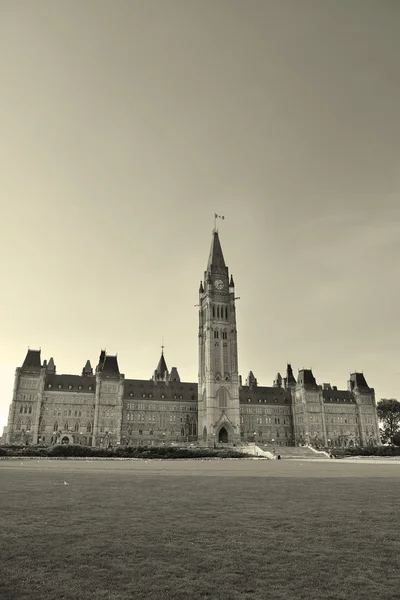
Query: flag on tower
(218,216)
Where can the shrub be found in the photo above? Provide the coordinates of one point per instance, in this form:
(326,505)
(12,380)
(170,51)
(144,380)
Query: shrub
(367,451)
(69,450)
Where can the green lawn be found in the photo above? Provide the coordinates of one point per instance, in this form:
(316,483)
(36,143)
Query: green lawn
(182,530)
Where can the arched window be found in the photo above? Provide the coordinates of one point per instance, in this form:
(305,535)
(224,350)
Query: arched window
(30,409)
(66,425)
(213,308)
(18,425)
(76,427)
(216,334)
(222,398)
(55,426)
(204,399)
(217,312)
(101,427)
(89,427)
(21,409)
(42,425)
(226,312)
(25,409)
(28,426)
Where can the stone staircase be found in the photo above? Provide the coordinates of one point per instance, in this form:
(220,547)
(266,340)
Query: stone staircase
(295,452)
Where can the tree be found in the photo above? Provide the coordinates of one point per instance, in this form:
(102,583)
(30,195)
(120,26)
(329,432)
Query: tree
(389,414)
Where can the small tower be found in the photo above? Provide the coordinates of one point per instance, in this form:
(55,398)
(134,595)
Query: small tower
(87,370)
(161,373)
(51,367)
(251,381)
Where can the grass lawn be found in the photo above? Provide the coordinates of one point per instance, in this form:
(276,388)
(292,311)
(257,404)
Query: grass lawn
(183,530)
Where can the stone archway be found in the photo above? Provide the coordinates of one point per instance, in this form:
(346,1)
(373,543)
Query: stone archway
(223,436)
(65,440)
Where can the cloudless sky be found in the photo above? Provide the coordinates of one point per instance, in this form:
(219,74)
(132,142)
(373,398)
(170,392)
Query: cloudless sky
(124,125)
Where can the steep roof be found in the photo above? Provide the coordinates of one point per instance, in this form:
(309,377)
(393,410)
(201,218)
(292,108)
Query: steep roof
(69,383)
(51,367)
(335,396)
(110,366)
(139,389)
(87,369)
(290,380)
(359,380)
(307,378)
(216,258)
(264,395)
(162,369)
(32,361)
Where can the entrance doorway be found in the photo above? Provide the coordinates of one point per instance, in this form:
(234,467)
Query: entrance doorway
(65,440)
(223,436)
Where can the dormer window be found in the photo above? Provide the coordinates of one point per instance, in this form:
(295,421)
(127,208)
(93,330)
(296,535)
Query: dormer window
(143,395)
(131,394)
(162,396)
(70,387)
(60,386)
(90,388)
(49,385)
(248,399)
(79,387)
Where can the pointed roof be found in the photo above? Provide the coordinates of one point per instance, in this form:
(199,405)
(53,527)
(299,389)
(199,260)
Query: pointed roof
(290,380)
(32,361)
(216,258)
(174,375)
(51,366)
(87,369)
(161,370)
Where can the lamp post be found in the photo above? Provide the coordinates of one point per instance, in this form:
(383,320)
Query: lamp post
(214,440)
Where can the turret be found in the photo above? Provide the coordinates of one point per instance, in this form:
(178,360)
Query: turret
(161,372)
(251,381)
(87,369)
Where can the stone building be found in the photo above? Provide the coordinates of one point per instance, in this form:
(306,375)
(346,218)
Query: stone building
(103,408)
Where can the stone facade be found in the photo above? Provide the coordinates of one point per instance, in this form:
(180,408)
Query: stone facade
(104,408)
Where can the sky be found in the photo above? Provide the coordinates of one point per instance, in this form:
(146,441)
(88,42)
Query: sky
(124,125)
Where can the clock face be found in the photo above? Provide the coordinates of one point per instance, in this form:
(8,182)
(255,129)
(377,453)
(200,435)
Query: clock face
(219,284)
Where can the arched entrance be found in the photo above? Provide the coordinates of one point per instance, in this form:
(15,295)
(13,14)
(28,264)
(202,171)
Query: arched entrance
(65,440)
(223,436)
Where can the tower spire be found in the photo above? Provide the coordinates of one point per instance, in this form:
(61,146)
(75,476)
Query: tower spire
(216,257)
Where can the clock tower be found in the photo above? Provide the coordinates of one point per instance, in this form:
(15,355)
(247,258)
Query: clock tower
(218,409)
